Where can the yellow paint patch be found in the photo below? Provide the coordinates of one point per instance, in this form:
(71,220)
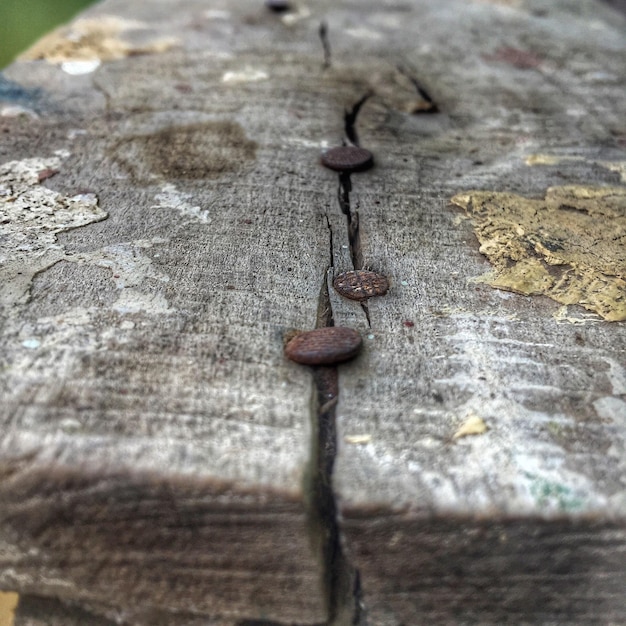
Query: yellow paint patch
(92,39)
(473,425)
(8,604)
(570,246)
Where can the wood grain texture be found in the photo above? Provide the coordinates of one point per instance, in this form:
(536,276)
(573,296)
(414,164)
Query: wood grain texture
(147,408)
(498,526)
(155,449)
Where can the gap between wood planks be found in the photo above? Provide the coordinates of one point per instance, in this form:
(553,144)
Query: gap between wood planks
(342,584)
(341,579)
(343,194)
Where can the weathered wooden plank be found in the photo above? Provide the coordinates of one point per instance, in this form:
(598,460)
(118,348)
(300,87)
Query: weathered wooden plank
(157,457)
(155,444)
(526,521)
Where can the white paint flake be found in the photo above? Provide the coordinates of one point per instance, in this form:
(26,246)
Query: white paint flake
(32,216)
(171,198)
(78,68)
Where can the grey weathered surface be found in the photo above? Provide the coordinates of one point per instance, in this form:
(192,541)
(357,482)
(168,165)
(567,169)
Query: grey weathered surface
(156,444)
(524,523)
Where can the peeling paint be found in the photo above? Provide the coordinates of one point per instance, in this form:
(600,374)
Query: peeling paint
(8,604)
(77,68)
(130,268)
(569,246)
(90,40)
(171,198)
(32,216)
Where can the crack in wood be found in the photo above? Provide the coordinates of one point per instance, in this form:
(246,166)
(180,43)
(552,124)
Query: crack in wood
(343,196)
(428,105)
(341,579)
(354,233)
(331,245)
(339,575)
(323,32)
(349,119)
(352,219)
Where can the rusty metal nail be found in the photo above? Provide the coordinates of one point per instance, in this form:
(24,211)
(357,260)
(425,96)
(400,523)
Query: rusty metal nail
(361,284)
(324,346)
(348,159)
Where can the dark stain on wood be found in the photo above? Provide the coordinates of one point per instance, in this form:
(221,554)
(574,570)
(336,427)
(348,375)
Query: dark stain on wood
(191,152)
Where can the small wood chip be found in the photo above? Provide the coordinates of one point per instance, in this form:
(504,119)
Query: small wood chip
(473,425)
(358,439)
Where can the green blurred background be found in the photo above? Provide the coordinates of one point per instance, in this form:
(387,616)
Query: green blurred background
(22,22)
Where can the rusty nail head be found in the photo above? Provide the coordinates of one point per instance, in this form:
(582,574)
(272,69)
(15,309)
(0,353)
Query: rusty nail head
(324,346)
(348,159)
(361,284)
